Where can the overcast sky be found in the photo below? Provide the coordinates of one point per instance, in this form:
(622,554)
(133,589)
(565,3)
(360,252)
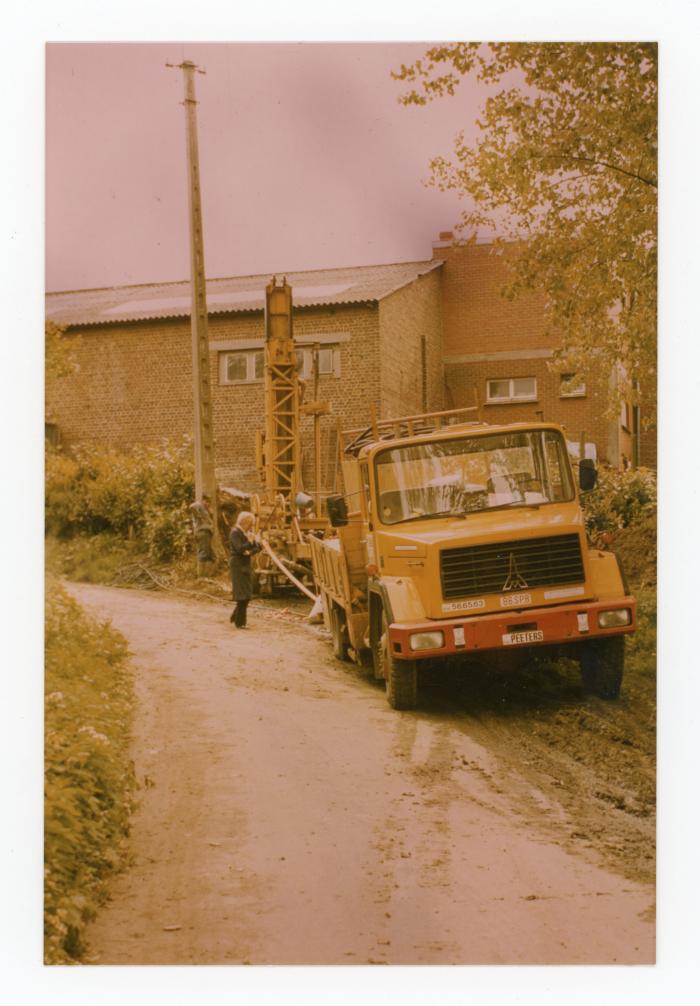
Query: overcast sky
(307,160)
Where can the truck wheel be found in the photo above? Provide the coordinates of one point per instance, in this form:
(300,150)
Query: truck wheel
(338,632)
(602,663)
(400,676)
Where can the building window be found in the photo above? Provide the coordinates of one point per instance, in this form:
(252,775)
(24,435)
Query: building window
(245,366)
(511,389)
(571,388)
(328,362)
(241,367)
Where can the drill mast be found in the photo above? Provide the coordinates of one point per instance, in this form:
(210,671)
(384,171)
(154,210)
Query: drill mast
(281,453)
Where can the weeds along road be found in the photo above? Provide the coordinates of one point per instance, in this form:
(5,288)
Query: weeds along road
(288,815)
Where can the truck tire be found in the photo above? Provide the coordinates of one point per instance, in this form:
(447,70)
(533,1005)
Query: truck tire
(400,676)
(338,632)
(602,663)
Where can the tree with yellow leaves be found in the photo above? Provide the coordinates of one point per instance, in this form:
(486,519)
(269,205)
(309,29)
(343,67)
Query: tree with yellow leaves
(564,170)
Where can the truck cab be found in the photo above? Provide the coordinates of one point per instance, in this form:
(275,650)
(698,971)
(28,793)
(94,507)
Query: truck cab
(473,539)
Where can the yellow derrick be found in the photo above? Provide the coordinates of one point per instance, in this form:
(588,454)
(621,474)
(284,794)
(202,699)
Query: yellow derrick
(281,452)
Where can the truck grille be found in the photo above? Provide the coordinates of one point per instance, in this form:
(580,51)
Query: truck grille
(485,569)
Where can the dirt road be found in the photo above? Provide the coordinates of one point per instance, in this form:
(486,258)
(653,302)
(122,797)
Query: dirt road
(289,816)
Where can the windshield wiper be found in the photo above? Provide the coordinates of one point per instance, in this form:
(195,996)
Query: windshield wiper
(512,506)
(430,516)
(467,513)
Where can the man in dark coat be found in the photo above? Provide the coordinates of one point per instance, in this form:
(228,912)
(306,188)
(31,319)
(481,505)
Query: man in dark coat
(243,546)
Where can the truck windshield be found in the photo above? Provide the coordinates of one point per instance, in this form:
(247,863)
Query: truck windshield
(472,474)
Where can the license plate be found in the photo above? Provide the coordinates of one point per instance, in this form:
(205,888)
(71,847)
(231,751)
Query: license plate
(514,638)
(473,605)
(516,600)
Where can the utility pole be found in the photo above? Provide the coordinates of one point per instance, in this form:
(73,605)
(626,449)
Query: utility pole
(205,479)
(317,430)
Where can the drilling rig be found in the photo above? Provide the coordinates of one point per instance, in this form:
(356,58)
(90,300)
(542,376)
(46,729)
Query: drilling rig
(283,510)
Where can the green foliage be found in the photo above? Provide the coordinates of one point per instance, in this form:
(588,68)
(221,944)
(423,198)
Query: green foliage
(167,532)
(89,780)
(63,495)
(142,494)
(640,658)
(59,356)
(620,499)
(564,171)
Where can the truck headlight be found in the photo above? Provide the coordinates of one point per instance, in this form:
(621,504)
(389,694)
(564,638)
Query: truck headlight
(611,619)
(427,640)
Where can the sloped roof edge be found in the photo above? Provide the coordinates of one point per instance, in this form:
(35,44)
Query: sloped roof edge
(231,295)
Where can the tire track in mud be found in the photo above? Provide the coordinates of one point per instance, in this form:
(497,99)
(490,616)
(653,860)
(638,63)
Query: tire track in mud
(582,769)
(419,811)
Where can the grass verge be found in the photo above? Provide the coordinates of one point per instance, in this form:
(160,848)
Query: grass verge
(89,780)
(110,559)
(90,558)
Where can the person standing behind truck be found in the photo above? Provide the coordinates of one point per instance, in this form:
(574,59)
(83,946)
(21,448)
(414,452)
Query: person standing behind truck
(243,546)
(203,530)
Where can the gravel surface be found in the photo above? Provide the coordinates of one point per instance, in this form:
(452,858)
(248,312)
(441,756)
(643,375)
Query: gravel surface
(288,816)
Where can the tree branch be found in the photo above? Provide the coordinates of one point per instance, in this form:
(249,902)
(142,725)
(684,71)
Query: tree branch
(604,164)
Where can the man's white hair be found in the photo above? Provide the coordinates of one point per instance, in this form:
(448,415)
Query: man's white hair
(244,516)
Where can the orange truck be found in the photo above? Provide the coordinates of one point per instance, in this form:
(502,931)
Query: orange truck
(457,537)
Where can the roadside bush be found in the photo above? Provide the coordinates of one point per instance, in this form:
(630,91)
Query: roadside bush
(63,496)
(89,781)
(167,533)
(113,490)
(142,495)
(620,499)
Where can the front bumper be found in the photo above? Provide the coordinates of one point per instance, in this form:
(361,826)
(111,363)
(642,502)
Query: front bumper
(558,625)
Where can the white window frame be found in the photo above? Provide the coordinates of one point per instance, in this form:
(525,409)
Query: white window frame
(512,397)
(306,371)
(249,355)
(579,391)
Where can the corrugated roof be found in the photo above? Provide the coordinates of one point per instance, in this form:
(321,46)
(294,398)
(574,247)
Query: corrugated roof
(313,288)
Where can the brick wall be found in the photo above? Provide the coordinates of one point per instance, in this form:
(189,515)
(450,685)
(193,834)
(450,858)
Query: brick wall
(410,348)
(585,414)
(133,385)
(487,336)
(475,313)
(427,345)
(239,408)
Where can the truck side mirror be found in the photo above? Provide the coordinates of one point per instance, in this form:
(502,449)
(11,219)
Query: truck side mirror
(587,474)
(337,511)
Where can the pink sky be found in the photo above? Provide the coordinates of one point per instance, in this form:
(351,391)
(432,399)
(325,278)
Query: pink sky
(307,160)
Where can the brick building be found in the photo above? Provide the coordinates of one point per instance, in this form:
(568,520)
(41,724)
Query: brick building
(133,349)
(404,338)
(500,348)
